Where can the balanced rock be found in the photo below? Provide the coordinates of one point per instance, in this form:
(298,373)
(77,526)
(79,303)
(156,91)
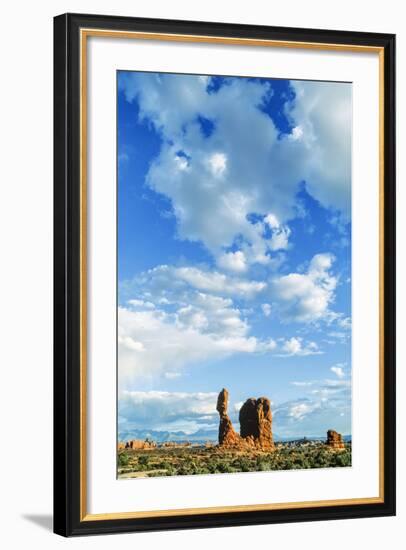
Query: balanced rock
(228,437)
(335,440)
(256,423)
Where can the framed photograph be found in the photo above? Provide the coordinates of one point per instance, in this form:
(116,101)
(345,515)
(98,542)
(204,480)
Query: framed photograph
(224,274)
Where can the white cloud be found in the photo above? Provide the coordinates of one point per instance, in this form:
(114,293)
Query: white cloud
(190,327)
(218,164)
(266,309)
(213,281)
(162,410)
(297,133)
(333,390)
(154,342)
(280,233)
(186,325)
(169,278)
(299,411)
(326,404)
(129,343)
(272,221)
(338,370)
(306,297)
(233,261)
(218,180)
(269,345)
(292,346)
(280,238)
(323,112)
(295,346)
(345,323)
(212,314)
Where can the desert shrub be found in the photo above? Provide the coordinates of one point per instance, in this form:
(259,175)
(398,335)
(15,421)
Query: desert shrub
(245,465)
(123,459)
(225,468)
(143,461)
(263,466)
(169,462)
(343,459)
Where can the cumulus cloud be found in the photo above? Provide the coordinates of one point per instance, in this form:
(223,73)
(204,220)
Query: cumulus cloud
(345,323)
(323,113)
(326,404)
(216,180)
(306,297)
(128,343)
(333,390)
(214,281)
(157,342)
(296,346)
(233,261)
(299,411)
(162,410)
(280,233)
(338,370)
(175,279)
(171,341)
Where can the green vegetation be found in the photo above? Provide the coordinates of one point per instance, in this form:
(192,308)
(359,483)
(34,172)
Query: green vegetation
(123,459)
(212,460)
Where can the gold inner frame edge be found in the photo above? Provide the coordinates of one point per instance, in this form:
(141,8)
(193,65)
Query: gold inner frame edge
(84,34)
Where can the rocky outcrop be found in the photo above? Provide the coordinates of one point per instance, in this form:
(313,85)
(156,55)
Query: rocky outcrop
(335,440)
(140,444)
(175,444)
(228,437)
(255,424)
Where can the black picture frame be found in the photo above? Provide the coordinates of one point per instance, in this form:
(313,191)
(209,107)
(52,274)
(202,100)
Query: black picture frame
(68,520)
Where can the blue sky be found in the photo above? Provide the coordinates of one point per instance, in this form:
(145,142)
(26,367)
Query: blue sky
(234,251)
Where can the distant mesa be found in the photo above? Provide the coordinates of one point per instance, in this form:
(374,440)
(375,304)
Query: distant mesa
(255,424)
(138,444)
(335,440)
(176,444)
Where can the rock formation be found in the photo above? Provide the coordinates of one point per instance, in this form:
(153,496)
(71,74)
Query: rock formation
(140,444)
(335,440)
(228,437)
(175,444)
(255,424)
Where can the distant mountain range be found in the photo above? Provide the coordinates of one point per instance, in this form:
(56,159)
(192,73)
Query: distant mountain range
(161,436)
(201,436)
